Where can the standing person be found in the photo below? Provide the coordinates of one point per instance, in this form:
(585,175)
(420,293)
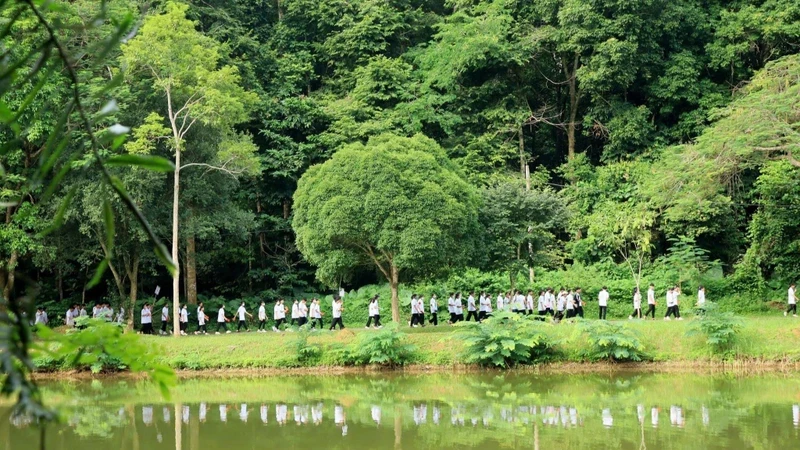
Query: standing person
(651,301)
(472,310)
(670,304)
(434,311)
(147,319)
(201,319)
(579,303)
(420,310)
(69,320)
(242,312)
(701,297)
(279,314)
(338,308)
(262,317)
(451,308)
(222,321)
(164,319)
(501,304)
(637,304)
(295,312)
(561,304)
(602,301)
(485,307)
(570,304)
(302,313)
(540,305)
(459,308)
(792,302)
(413,321)
(374,313)
(675,295)
(550,300)
(184,320)
(529,303)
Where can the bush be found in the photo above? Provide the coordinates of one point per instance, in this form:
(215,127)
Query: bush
(718,327)
(505,340)
(305,353)
(611,341)
(386,347)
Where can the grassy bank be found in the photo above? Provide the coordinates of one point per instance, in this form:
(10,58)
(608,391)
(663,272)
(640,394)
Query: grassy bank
(762,339)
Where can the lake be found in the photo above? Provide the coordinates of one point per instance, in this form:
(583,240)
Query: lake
(464,411)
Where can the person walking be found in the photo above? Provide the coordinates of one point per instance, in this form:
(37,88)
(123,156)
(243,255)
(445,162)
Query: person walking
(146,319)
(164,319)
(338,308)
(262,317)
(279,314)
(637,304)
(242,313)
(374,310)
(472,310)
(651,302)
(222,321)
(434,311)
(184,320)
(792,302)
(579,303)
(201,319)
(602,302)
(670,304)
(302,313)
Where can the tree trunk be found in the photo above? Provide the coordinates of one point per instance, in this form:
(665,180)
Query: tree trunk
(574,97)
(176,277)
(280,9)
(60,284)
(191,270)
(11,267)
(133,276)
(512,279)
(522,160)
(393,284)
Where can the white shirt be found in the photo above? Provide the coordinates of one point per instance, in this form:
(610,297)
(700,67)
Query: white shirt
(420,305)
(241,312)
(201,317)
(637,301)
(277,311)
(302,310)
(486,303)
(69,321)
(451,305)
(373,309)
(295,311)
(792,297)
(221,315)
(262,313)
(471,303)
(413,306)
(570,302)
(315,312)
(434,306)
(651,297)
(337,310)
(701,297)
(540,305)
(670,298)
(459,307)
(164,314)
(602,298)
(184,315)
(147,316)
(529,302)
(562,302)
(500,302)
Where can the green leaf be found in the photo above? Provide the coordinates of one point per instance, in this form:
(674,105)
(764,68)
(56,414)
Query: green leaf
(98,274)
(150,162)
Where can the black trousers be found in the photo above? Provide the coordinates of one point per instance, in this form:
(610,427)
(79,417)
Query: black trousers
(651,310)
(460,317)
(570,313)
(241,324)
(376,319)
(579,311)
(302,321)
(184,326)
(473,314)
(434,319)
(559,315)
(637,312)
(453,318)
(792,309)
(221,326)
(201,328)
(673,310)
(315,322)
(481,316)
(262,324)
(294,321)
(164,326)
(147,328)
(335,321)
(549,311)
(279,322)
(603,311)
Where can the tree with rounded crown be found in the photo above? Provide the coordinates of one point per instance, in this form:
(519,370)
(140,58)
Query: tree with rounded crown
(395,203)
(170,58)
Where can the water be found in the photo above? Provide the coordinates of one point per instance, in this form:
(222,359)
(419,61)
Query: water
(465,411)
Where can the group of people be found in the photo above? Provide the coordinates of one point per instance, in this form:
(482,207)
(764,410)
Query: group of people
(102,311)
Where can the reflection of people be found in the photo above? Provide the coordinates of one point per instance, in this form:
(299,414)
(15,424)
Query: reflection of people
(185,414)
(376,414)
(340,419)
(264,414)
(705,416)
(147,415)
(202,413)
(796,415)
(436,415)
(640,412)
(654,417)
(243,412)
(223,413)
(608,420)
(166,414)
(316,413)
(676,416)
(280,414)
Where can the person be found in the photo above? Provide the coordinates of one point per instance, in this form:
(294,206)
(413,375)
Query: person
(434,311)
(651,302)
(515,306)
(302,313)
(414,318)
(82,312)
(792,302)
(484,307)
(69,320)
(95,310)
(459,306)
(540,305)
(222,321)
(602,302)
(164,319)
(579,303)
(676,294)
(41,317)
(529,303)
(374,313)
(262,317)
(184,320)
(561,304)
(201,319)
(472,310)
(637,304)
(451,308)
(670,304)
(338,308)
(120,315)
(501,306)
(146,319)
(570,304)
(550,300)
(488,306)
(419,310)
(701,297)
(279,314)
(316,314)
(295,312)
(242,312)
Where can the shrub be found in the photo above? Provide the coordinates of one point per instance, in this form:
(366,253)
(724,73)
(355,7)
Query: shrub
(304,352)
(611,341)
(505,340)
(387,347)
(718,327)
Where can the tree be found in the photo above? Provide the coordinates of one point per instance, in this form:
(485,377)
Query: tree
(398,204)
(181,64)
(519,224)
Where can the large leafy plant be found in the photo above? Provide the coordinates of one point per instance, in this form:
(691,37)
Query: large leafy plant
(610,341)
(505,340)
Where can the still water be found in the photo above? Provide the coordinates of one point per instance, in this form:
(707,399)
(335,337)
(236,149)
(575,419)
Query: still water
(464,411)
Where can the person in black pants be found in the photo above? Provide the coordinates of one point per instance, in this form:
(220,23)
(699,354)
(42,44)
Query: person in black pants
(337,313)
(434,311)
(602,301)
(471,308)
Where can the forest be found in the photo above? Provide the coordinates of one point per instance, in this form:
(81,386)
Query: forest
(474,143)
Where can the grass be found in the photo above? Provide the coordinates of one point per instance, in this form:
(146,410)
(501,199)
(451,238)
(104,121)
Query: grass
(762,339)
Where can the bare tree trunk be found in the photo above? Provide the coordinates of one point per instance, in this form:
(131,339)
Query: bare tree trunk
(133,276)
(574,97)
(191,270)
(393,284)
(280,9)
(60,284)
(286,208)
(523,163)
(11,267)
(176,277)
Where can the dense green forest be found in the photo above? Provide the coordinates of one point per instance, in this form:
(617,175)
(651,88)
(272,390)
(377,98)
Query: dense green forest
(606,139)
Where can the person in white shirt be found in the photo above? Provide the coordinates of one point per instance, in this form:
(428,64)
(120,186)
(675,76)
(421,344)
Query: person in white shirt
(485,306)
(451,308)
(317,316)
(164,319)
(675,295)
(201,319)
(242,312)
(529,303)
(419,310)
(374,310)
(561,304)
(222,321)
(337,308)
(670,304)
(414,315)
(69,321)
(434,311)
(262,317)
(602,302)
(120,315)
(279,314)
(701,297)
(472,310)
(540,305)
(651,302)
(302,313)
(549,301)
(501,302)
(579,303)
(792,302)
(295,312)
(637,304)
(95,310)
(184,320)
(570,304)
(147,319)
(41,317)
(459,308)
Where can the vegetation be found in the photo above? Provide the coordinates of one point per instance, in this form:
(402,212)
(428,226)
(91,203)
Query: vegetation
(505,340)
(611,341)
(386,347)
(719,328)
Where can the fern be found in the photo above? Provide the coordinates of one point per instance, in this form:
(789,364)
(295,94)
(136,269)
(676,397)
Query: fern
(611,341)
(719,328)
(386,347)
(505,340)
(304,352)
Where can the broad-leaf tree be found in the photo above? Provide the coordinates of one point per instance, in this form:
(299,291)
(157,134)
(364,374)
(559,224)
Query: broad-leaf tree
(398,204)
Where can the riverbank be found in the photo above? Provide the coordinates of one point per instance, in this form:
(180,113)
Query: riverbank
(763,341)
